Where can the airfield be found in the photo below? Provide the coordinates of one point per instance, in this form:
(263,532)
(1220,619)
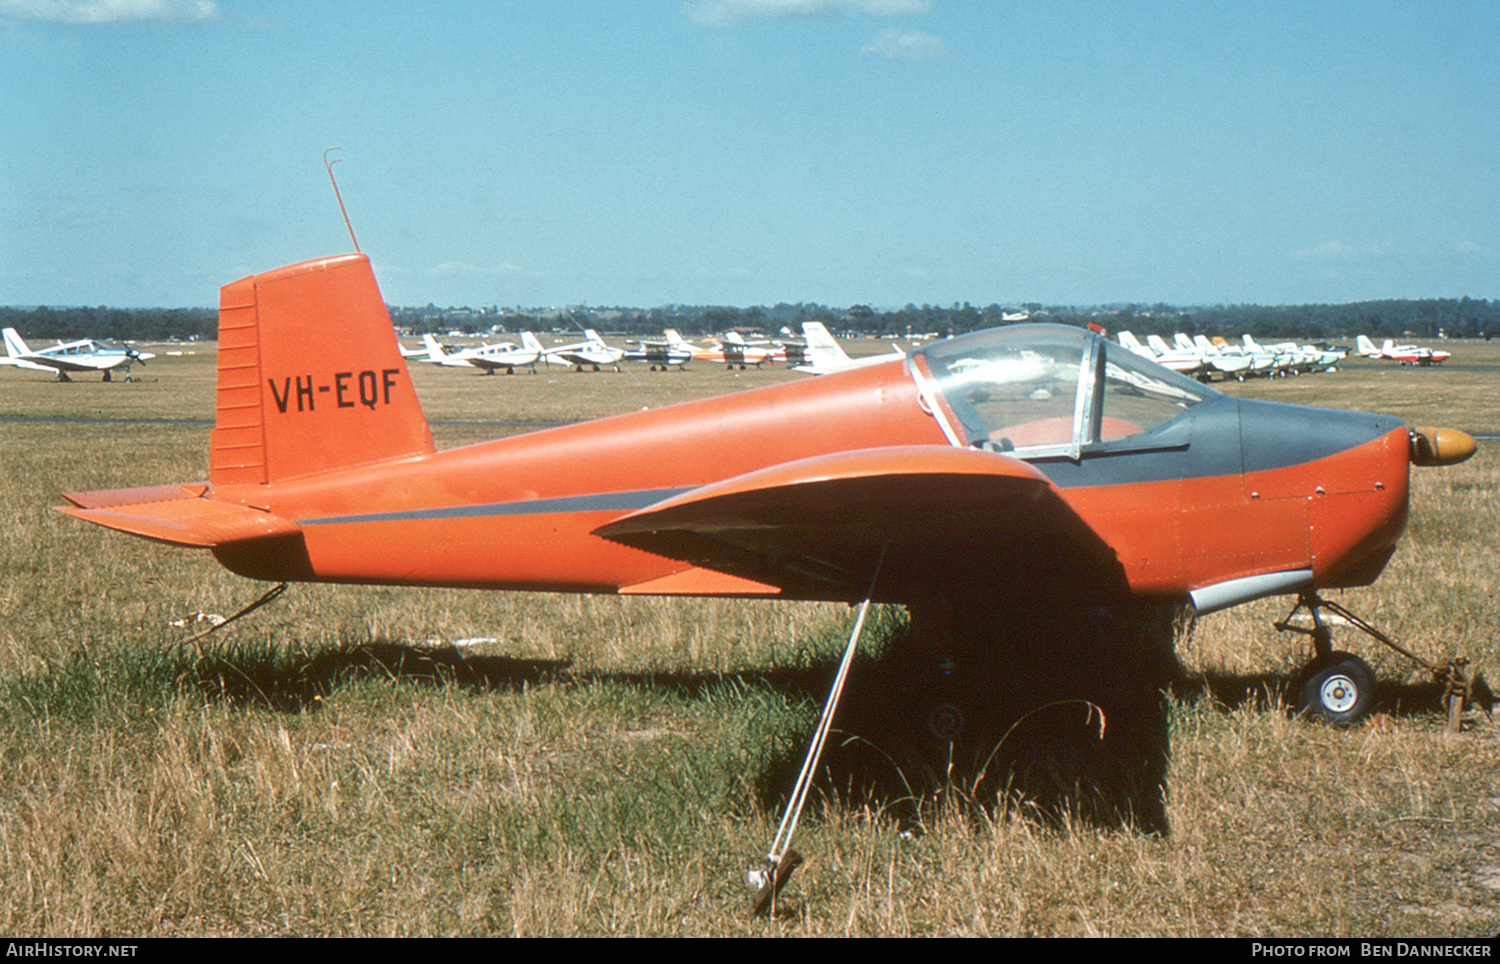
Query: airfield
(372,762)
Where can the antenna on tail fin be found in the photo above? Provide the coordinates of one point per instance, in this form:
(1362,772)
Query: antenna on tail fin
(329,166)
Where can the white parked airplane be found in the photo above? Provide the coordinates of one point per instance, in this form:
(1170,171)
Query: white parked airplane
(491,358)
(1262,362)
(1133,343)
(823,354)
(1405,354)
(592,352)
(1306,358)
(1228,365)
(82,356)
(1188,361)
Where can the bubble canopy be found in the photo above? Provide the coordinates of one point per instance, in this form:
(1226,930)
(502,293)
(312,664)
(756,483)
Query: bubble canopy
(1050,390)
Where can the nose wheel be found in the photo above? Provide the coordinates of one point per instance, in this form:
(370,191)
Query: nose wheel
(1338,688)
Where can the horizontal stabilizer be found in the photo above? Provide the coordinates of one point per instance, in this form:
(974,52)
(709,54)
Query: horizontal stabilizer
(173,514)
(106,498)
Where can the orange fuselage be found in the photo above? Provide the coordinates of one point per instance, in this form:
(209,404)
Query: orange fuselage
(520,512)
(1015,456)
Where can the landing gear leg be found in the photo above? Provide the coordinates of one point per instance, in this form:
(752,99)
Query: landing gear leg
(1340,687)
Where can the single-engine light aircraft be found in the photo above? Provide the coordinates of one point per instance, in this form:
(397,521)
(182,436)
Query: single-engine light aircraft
(662,353)
(487,358)
(76,357)
(1405,354)
(1032,462)
(592,352)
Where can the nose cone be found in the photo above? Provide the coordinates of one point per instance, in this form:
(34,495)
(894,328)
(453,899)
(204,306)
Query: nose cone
(1339,478)
(1440,446)
(1275,435)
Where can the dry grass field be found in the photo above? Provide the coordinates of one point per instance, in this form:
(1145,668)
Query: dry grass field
(336,764)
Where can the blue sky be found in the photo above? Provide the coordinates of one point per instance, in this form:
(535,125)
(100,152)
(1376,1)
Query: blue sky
(755,151)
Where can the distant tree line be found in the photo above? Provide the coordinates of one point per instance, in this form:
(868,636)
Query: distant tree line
(111,324)
(1455,317)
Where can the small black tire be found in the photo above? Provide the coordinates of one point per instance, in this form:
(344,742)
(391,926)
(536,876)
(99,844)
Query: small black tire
(1336,688)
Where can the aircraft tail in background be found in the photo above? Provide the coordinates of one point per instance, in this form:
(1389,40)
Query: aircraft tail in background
(14,346)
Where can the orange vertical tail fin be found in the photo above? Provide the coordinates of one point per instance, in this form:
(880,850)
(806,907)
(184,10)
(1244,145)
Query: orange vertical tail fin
(311,376)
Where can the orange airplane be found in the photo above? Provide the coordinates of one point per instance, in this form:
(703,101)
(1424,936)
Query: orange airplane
(1035,461)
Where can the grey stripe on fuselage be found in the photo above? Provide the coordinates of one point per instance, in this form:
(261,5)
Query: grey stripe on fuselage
(595,502)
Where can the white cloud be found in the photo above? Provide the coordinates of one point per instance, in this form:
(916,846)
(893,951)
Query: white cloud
(732,13)
(895,44)
(108,11)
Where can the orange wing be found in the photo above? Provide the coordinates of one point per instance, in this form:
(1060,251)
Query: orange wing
(946,518)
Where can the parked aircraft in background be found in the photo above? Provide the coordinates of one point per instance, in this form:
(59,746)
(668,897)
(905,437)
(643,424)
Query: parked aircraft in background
(74,357)
(1133,344)
(1187,361)
(1225,364)
(1405,354)
(777,352)
(1366,347)
(1262,362)
(435,352)
(824,356)
(1303,358)
(489,358)
(661,354)
(731,351)
(592,352)
(737,351)
(1289,357)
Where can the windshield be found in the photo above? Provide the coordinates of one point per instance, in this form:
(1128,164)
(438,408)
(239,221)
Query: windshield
(1049,389)
(1138,395)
